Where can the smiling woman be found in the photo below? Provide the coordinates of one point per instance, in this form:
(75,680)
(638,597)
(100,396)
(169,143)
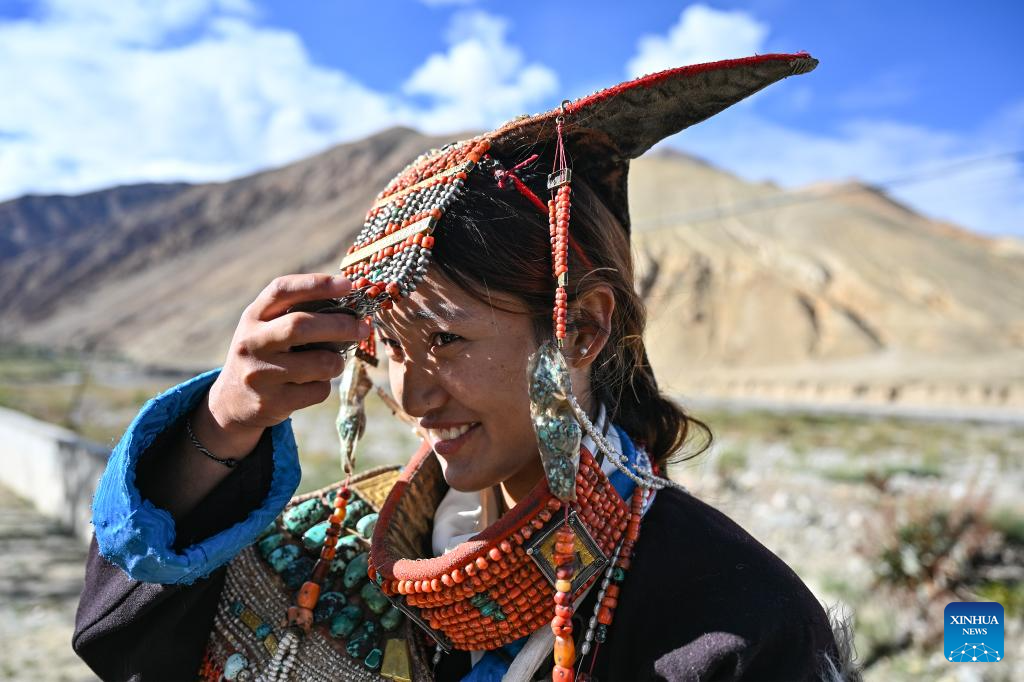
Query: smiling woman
(531,536)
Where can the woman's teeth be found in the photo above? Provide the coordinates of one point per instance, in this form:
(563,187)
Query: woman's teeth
(449,434)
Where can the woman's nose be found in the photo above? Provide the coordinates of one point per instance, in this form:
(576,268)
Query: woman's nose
(417,388)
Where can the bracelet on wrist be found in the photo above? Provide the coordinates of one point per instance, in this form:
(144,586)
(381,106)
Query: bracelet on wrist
(229,463)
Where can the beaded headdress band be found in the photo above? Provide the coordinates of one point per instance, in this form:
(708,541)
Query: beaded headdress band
(390,257)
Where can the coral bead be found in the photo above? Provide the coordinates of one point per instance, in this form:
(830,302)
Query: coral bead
(565,651)
(309,593)
(561,674)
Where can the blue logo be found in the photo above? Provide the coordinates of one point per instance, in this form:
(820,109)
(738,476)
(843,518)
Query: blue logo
(973,632)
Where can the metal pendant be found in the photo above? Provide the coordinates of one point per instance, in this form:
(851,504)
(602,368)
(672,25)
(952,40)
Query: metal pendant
(590,560)
(355,384)
(558,433)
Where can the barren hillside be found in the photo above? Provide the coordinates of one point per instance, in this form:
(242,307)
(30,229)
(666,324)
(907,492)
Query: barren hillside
(832,293)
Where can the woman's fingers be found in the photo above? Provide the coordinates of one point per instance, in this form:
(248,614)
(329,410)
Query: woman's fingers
(298,396)
(286,291)
(308,366)
(298,329)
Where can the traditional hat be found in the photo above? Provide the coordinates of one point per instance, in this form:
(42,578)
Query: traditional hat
(601,134)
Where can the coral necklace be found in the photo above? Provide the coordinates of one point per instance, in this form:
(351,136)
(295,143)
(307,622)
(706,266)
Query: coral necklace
(498,586)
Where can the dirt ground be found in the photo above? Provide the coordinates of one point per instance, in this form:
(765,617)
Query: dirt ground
(40,579)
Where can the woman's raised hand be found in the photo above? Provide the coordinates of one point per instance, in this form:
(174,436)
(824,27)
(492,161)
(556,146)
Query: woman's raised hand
(262,382)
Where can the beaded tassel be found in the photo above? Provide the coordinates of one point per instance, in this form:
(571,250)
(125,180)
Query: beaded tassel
(558,225)
(301,613)
(561,624)
(355,384)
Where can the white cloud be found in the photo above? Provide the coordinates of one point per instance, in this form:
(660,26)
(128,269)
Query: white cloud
(702,34)
(97,94)
(96,97)
(481,79)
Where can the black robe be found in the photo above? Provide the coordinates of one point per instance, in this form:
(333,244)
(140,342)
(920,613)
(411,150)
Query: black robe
(703,600)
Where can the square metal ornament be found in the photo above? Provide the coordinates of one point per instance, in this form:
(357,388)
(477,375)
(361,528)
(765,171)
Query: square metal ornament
(559,178)
(590,560)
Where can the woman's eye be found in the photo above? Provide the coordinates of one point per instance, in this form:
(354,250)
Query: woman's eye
(392,345)
(445,338)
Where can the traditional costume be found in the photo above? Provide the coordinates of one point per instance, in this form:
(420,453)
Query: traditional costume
(604,571)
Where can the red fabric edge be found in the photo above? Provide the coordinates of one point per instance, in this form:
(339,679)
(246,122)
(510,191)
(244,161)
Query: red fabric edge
(397,568)
(643,82)
(689,70)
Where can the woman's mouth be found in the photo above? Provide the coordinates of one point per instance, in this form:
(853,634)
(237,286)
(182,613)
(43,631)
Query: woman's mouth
(447,441)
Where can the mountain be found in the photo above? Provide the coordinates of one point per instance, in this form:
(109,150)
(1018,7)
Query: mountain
(832,292)
(166,282)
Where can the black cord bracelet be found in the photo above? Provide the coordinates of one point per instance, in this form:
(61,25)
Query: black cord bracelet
(229,463)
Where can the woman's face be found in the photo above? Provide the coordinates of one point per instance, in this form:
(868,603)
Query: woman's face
(459,366)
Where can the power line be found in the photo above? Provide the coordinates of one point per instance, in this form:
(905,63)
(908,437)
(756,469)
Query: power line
(712,213)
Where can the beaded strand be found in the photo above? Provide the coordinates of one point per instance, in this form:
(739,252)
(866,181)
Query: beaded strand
(561,624)
(301,613)
(559,182)
(615,574)
(645,479)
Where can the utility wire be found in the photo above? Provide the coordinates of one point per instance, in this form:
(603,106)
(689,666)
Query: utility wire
(712,213)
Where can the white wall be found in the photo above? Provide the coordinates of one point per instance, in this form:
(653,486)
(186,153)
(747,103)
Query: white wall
(51,467)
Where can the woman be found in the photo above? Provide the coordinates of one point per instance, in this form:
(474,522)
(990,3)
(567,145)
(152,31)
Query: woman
(487,562)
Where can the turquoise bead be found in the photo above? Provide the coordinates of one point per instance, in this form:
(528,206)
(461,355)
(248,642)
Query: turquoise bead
(618,575)
(346,621)
(299,518)
(337,569)
(362,641)
(313,538)
(270,543)
(348,547)
(263,630)
(391,620)
(374,598)
(298,572)
(355,510)
(373,659)
(235,664)
(283,557)
(366,525)
(355,572)
(328,606)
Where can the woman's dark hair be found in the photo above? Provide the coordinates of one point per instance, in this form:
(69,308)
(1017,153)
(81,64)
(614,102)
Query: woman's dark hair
(496,241)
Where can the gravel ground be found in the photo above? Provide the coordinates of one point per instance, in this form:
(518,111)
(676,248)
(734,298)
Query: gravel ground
(41,572)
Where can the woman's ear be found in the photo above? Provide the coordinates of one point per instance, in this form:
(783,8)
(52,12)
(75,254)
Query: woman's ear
(594,310)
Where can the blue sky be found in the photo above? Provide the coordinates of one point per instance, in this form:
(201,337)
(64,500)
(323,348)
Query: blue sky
(98,93)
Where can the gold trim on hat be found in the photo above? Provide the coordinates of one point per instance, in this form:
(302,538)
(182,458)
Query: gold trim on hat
(384,201)
(422,225)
